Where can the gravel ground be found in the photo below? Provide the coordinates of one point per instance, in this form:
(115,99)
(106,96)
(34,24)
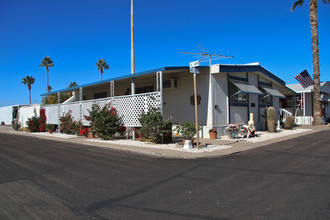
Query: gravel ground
(260,136)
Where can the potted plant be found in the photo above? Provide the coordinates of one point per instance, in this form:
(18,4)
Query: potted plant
(187,131)
(213,133)
(49,128)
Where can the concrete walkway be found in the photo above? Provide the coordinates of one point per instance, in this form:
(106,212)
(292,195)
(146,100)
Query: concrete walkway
(209,148)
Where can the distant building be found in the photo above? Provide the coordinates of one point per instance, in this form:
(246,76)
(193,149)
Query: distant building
(302,104)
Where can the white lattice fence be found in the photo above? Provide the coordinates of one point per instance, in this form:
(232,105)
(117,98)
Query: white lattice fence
(129,108)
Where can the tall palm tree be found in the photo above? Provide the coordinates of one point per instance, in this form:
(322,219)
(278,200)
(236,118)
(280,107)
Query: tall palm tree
(28,80)
(316,60)
(47,62)
(72,85)
(102,65)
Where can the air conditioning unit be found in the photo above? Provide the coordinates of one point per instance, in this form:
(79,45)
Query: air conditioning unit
(170,84)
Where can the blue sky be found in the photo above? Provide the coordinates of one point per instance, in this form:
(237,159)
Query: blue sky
(75,34)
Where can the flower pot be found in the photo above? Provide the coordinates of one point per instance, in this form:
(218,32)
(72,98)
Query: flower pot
(191,141)
(187,144)
(50,131)
(90,134)
(213,135)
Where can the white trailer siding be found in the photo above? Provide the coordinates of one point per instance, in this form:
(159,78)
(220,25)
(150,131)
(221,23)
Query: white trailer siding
(177,104)
(6,114)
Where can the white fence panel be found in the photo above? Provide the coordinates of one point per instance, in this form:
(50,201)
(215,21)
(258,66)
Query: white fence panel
(52,114)
(74,108)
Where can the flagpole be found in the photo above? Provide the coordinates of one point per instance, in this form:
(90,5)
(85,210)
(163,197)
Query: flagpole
(132,48)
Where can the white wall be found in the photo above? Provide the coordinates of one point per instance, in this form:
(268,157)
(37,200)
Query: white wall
(253,80)
(176,102)
(238,114)
(220,98)
(26,112)
(6,114)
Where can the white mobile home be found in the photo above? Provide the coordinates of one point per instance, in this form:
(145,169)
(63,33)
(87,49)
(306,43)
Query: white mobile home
(226,94)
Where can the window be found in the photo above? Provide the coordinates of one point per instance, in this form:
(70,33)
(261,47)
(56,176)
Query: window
(236,95)
(266,98)
(100,95)
(145,89)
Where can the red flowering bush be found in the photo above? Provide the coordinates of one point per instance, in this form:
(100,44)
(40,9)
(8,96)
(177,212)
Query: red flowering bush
(68,125)
(83,132)
(37,123)
(104,121)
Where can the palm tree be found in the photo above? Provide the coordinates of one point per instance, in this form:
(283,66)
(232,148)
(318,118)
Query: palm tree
(47,62)
(316,60)
(102,64)
(72,85)
(28,80)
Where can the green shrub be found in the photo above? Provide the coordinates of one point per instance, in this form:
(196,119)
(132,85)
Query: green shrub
(186,130)
(49,127)
(155,127)
(104,121)
(289,122)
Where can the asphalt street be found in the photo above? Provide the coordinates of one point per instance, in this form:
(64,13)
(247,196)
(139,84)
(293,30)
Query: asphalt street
(46,179)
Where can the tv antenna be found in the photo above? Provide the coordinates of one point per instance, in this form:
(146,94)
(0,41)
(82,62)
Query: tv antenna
(211,57)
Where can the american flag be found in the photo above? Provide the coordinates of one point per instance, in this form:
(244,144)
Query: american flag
(305,79)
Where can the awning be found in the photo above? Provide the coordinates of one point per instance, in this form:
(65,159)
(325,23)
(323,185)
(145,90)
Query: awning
(249,89)
(273,92)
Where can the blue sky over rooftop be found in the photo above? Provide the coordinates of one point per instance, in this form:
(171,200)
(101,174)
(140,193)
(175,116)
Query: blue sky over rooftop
(75,34)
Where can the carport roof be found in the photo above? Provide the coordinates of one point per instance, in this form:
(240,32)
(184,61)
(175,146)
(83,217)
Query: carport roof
(125,77)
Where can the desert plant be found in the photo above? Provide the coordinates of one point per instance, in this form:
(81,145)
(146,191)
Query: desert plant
(104,121)
(15,124)
(289,122)
(271,119)
(155,127)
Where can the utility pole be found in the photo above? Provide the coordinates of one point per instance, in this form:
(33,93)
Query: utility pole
(195,70)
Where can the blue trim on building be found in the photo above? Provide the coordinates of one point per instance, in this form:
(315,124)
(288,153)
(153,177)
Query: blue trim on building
(250,68)
(264,83)
(238,78)
(124,77)
(240,104)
